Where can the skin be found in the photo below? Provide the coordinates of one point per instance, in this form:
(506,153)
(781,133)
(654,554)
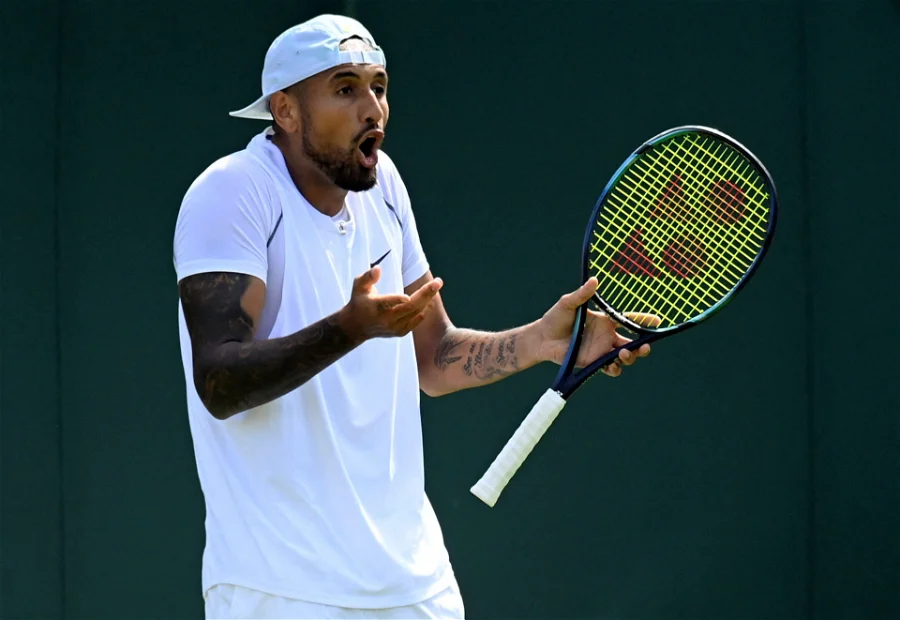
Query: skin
(320,124)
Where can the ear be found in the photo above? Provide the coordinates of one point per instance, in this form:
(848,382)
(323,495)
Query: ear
(285,111)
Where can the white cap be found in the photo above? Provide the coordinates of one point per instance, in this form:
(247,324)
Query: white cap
(305,50)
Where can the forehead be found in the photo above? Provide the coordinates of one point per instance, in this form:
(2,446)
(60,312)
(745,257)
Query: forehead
(353,71)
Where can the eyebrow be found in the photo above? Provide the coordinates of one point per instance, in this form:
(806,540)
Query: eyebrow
(340,75)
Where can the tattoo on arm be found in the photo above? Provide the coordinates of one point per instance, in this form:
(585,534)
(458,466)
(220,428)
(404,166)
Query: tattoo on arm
(232,372)
(444,357)
(468,367)
(481,359)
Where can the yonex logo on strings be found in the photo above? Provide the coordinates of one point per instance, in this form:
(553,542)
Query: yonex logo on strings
(683,254)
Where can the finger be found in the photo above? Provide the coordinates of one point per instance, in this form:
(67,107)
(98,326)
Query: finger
(387,302)
(404,315)
(365,281)
(416,321)
(419,300)
(644,351)
(616,325)
(627,357)
(644,319)
(581,295)
(611,323)
(613,369)
(405,326)
(620,340)
(429,289)
(606,321)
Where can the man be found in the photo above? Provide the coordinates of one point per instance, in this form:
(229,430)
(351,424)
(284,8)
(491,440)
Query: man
(309,322)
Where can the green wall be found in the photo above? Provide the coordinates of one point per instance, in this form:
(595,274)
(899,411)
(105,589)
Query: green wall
(31,580)
(749,470)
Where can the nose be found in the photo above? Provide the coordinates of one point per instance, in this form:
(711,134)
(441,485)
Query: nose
(372,112)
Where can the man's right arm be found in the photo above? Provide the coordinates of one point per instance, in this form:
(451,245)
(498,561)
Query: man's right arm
(234,373)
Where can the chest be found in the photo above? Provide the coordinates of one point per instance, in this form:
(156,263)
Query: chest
(331,253)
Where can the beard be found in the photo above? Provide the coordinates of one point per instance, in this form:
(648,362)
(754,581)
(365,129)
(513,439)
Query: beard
(339,165)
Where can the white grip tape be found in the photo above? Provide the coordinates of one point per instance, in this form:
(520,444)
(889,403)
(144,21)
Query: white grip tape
(519,446)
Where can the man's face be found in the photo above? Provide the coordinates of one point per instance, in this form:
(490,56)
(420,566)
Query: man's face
(343,114)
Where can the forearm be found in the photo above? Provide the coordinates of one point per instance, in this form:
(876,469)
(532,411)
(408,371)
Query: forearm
(236,376)
(466,358)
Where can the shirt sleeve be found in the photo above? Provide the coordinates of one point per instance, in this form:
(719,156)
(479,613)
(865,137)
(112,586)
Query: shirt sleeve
(414,264)
(224,223)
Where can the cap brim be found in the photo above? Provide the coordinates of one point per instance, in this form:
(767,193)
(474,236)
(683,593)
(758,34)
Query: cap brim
(259,110)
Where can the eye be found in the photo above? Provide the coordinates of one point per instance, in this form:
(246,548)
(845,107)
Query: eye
(345,90)
(379,89)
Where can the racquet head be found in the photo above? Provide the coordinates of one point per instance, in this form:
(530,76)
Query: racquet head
(679,229)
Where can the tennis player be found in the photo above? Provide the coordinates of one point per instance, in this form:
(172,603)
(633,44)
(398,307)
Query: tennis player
(309,322)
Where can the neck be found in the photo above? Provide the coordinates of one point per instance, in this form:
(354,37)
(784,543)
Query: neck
(311,182)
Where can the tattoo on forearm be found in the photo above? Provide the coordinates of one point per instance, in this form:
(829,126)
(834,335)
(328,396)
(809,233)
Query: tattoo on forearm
(240,376)
(443,357)
(232,372)
(478,357)
(501,357)
(468,367)
(480,361)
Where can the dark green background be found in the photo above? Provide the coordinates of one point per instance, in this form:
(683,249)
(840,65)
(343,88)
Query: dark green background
(749,470)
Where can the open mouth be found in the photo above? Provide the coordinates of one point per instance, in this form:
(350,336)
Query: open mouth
(368,148)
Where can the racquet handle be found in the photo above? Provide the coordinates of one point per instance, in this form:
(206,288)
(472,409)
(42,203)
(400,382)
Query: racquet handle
(519,446)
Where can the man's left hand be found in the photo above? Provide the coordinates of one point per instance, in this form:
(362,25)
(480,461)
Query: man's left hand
(600,335)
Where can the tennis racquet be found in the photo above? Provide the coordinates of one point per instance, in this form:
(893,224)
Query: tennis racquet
(679,229)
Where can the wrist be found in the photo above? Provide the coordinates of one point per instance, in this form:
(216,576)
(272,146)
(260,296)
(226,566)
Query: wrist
(533,349)
(346,321)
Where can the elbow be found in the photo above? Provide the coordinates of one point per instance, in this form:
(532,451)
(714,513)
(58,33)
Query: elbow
(433,393)
(217,407)
(431,385)
(213,406)
(217,411)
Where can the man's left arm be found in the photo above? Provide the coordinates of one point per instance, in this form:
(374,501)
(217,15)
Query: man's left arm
(451,358)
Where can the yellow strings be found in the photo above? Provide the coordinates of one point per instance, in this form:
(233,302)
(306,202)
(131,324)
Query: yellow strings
(647,199)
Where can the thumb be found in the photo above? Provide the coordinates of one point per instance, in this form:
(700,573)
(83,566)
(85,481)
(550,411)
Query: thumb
(364,282)
(582,294)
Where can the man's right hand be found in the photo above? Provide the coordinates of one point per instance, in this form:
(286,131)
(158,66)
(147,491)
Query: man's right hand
(370,315)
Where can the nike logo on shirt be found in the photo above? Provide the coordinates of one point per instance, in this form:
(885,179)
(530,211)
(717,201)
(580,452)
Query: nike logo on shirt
(380,259)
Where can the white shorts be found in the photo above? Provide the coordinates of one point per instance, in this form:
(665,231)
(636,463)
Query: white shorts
(224,602)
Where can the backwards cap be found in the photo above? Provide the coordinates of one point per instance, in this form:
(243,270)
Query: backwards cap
(305,50)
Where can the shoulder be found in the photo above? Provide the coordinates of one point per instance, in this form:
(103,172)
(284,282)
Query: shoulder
(235,188)
(235,172)
(235,181)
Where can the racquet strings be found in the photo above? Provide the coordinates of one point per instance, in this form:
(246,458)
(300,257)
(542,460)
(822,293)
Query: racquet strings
(679,229)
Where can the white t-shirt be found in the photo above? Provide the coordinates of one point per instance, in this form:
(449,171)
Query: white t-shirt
(318,495)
